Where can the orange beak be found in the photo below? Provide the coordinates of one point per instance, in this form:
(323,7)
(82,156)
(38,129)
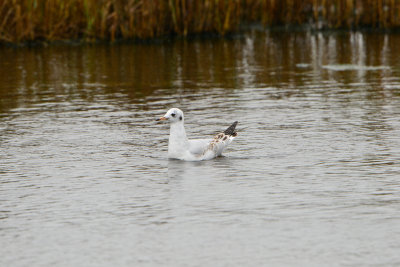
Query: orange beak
(162,119)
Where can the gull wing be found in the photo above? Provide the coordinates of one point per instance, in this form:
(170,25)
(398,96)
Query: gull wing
(220,142)
(198,146)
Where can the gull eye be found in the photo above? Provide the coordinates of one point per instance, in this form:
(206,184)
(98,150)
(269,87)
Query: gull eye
(173,114)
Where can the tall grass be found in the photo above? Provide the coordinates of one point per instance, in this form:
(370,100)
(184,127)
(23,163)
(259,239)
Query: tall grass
(27,20)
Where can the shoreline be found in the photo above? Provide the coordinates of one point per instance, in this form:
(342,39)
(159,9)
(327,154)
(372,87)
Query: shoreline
(167,38)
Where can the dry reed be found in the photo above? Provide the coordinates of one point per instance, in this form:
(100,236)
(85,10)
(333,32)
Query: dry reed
(28,20)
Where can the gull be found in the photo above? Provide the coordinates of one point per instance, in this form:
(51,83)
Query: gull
(180,147)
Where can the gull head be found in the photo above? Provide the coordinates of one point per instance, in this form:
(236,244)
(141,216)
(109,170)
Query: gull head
(172,115)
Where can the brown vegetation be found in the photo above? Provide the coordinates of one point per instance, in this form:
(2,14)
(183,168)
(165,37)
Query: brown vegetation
(27,20)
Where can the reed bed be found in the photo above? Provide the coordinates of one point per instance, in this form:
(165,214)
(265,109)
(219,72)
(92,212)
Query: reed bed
(49,20)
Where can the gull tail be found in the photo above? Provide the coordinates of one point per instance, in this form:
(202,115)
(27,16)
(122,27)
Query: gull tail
(231,129)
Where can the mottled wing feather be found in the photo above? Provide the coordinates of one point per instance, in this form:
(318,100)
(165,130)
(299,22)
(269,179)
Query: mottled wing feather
(208,149)
(221,141)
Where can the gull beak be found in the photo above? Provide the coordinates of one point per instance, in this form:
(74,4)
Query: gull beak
(161,119)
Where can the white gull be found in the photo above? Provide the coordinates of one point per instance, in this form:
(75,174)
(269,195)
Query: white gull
(179,147)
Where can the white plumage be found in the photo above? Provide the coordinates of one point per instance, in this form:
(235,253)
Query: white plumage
(180,147)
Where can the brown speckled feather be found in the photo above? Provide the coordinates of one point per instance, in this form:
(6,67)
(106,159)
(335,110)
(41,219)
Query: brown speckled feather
(222,139)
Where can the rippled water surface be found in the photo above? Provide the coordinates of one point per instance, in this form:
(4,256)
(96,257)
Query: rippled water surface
(313,178)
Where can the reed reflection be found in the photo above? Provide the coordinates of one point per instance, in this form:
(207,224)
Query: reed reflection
(256,59)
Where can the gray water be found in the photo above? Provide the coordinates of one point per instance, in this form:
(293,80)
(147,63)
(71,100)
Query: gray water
(313,178)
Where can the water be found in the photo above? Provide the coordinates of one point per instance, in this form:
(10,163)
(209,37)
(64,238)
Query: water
(313,178)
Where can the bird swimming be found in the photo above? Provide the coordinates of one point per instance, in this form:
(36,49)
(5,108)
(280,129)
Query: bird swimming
(180,147)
